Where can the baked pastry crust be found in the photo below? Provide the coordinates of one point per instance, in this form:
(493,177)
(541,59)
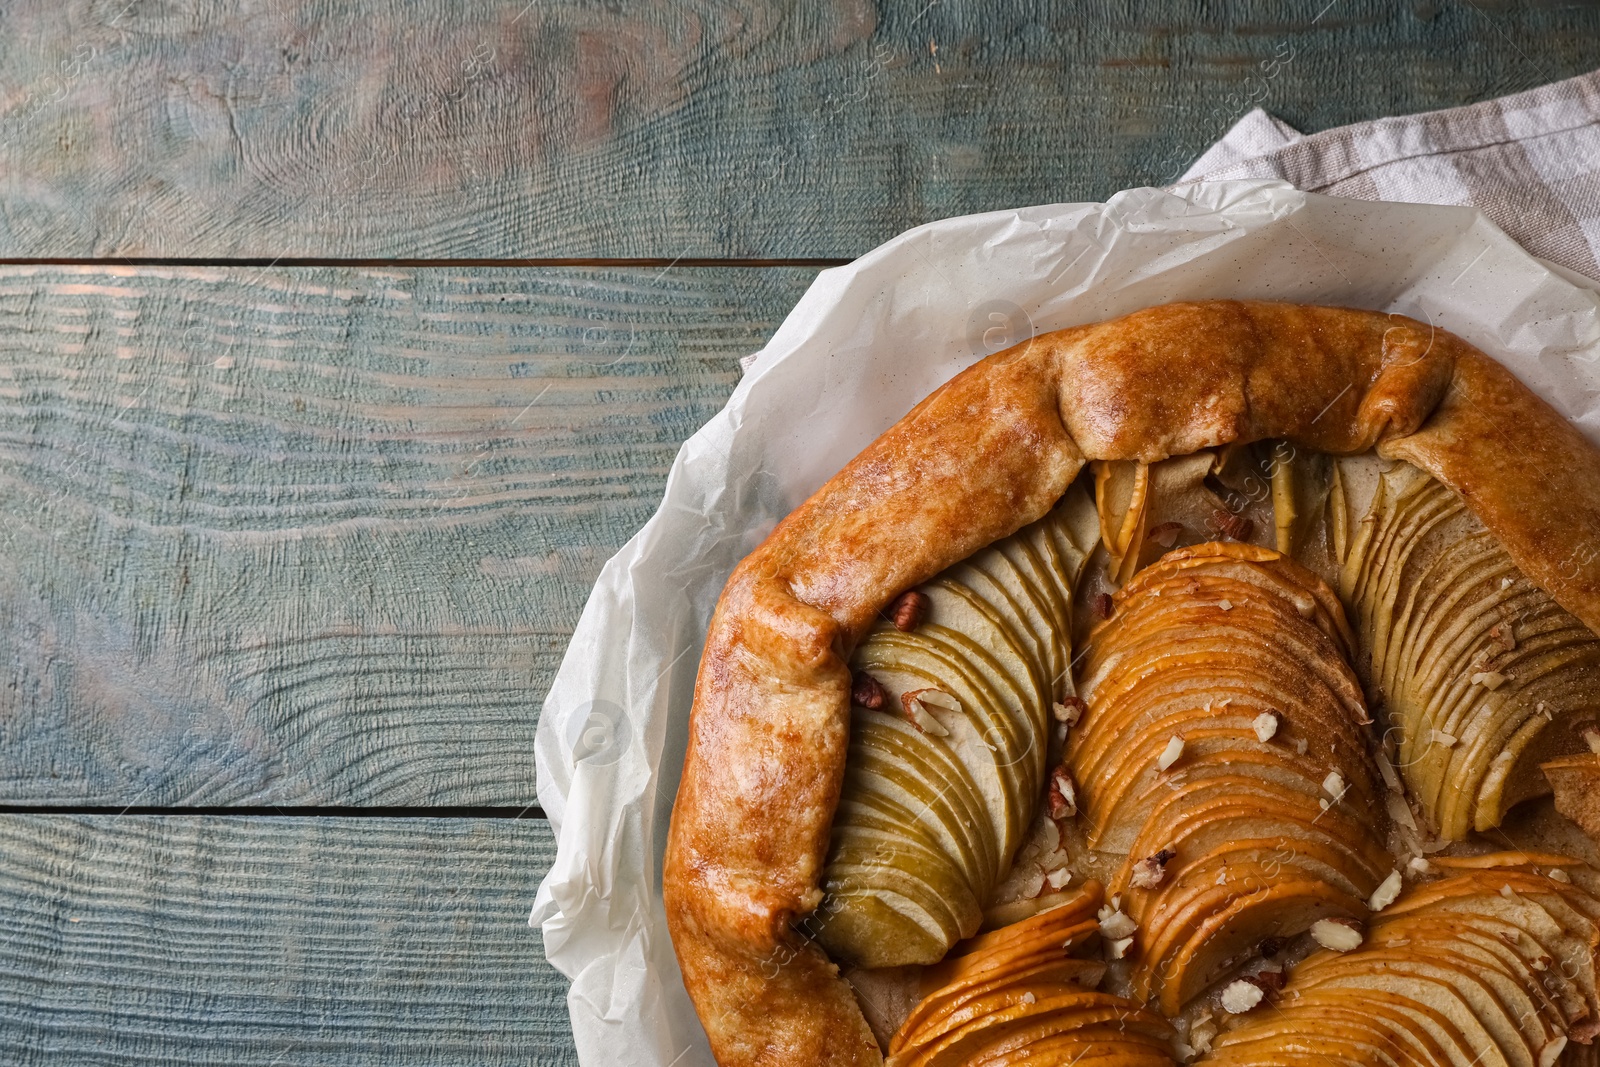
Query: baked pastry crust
(987,453)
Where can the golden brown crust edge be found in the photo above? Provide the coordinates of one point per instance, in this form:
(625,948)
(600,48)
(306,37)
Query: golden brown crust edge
(985,454)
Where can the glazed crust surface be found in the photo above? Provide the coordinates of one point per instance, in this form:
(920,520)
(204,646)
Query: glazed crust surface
(987,453)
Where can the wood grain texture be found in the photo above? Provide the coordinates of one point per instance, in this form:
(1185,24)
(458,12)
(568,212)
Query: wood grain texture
(275,942)
(318,535)
(527,128)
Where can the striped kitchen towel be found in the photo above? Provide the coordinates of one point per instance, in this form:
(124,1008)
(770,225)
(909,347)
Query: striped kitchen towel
(1530,162)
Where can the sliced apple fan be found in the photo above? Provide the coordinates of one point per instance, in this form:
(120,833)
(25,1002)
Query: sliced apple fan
(942,781)
(1482,675)
(1253,838)
(1493,964)
(1223,764)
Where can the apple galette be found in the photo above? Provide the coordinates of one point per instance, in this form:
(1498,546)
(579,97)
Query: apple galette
(1217,684)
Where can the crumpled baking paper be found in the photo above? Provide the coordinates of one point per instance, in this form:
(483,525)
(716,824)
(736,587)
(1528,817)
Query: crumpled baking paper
(865,343)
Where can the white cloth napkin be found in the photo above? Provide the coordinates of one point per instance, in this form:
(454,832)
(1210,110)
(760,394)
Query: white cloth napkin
(1530,162)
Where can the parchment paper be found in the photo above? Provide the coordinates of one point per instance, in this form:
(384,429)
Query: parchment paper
(865,343)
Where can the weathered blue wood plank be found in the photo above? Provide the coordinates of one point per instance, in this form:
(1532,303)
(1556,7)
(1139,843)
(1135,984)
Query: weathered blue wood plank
(318,536)
(333,942)
(412,128)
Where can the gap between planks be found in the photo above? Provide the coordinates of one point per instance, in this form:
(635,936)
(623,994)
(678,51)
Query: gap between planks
(532,812)
(287,261)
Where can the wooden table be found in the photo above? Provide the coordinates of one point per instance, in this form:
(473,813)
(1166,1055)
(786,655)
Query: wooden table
(342,344)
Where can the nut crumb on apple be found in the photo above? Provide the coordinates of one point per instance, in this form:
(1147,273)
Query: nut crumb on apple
(1338,935)
(1115,924)
(916,704)
(1241,995)
(1387,893)
(1068,710)
(1266,725)
(1063,797)
(1490,680)
(938,698)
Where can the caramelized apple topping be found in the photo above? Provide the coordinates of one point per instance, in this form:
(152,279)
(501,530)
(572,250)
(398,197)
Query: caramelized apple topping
(1019,995)
(866,692)
(1455,972)
(1227,839)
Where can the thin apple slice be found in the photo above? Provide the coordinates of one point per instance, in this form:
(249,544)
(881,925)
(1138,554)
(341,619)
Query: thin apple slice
(1430,1003)
(1339,822)
(1208,815)
(988,617)
(879,782)
(1097,1045)
(997,696)
(1029,958)
(881,766)
(939,814)
(979,959)
(961,771)
(1066,537)
(895,835)
(1050,593)
(944,789)
(1242,831)
(1526,1008)
(996,1004)
(1265,836)
(1519,1022)
(1185,690)
(1121,495)
(1023,609)
(854,864)
(878,921)
(1052,932)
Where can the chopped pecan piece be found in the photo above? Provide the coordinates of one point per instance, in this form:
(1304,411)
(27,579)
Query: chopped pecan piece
(867,691)
(908,610)
(1237,527)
